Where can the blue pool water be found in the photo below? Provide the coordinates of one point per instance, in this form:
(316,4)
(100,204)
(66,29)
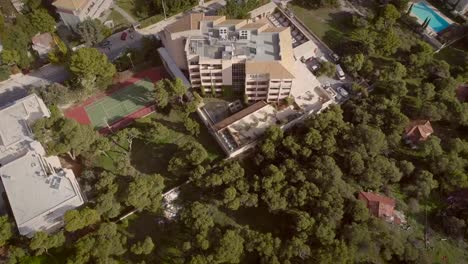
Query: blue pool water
(423,11)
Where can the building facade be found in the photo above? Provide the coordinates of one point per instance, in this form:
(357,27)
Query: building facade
(73,12)
(218,53)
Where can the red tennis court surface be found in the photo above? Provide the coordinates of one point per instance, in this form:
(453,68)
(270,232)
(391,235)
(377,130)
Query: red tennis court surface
(79,112)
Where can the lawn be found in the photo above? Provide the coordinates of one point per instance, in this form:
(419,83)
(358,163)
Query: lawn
(119,20)
(129,7)
(329,24)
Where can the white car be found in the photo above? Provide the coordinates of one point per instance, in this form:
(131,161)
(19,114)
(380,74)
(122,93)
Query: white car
(340,72)
(342,91)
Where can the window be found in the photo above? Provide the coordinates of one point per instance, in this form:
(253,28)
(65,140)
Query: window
(243,34)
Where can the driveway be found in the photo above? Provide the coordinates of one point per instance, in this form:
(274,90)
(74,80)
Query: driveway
(19,86)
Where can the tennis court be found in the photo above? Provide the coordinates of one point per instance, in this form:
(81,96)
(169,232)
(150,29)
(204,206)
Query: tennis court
(117,105)
(116,108)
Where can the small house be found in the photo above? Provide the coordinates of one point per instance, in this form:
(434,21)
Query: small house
(43,44)
(418,131)
(382,207)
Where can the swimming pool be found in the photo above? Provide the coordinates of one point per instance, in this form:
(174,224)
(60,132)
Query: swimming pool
(423,11)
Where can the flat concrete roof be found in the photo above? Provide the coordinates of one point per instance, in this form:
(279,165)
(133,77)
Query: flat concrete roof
(39,191)
(16,118)
(252,126)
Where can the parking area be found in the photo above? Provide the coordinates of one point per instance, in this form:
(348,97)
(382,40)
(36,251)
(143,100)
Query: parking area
(310,60)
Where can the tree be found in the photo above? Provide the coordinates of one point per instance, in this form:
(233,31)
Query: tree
(390,14)
(327,69)
(231,248)
(199,219)
(90,31)
(80,218)
(353,63)
(190,154)
(6,230)
(42,242)
(192,126)
(145,192)
(100,246)
(59,54)
(42,21)
(91,67)
(16,255)
(143,248)
(63,135)
(4,72)
(54,94)
(10,57)
(161,96)
(177,88)
(454,227)
(424,183)
(388,42)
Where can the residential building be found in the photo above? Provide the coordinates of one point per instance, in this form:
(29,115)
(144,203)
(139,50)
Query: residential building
(38,189)
(73,12)
(460,6)
(418,131)
(43,44)
(250,57)
(382,207)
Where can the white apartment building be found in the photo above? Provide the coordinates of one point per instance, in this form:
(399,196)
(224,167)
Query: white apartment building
(38,189)
(73,12)
(251,57)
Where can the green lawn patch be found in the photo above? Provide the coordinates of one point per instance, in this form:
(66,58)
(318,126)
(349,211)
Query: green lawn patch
(128,6)
(151,20)
(329,24)
(119,20)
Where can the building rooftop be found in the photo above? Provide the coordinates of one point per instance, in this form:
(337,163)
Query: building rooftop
(239,115)
(38,191)
(248,124)
(418,130)
(226,39)
(372,197)
(17,118)
(44,41)
(71,5)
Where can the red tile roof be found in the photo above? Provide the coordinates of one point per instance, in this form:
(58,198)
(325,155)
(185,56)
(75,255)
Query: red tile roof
(462,93)
(372,197)
(419,130)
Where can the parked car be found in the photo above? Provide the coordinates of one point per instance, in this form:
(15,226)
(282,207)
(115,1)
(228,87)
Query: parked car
(123,36)
(335,57)
(340,72)
(315,67)
(342,91)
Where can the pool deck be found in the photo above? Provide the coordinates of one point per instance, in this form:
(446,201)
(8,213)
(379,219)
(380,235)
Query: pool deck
(429,29)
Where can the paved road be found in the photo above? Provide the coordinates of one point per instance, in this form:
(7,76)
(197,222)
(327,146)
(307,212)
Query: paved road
(20,85)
